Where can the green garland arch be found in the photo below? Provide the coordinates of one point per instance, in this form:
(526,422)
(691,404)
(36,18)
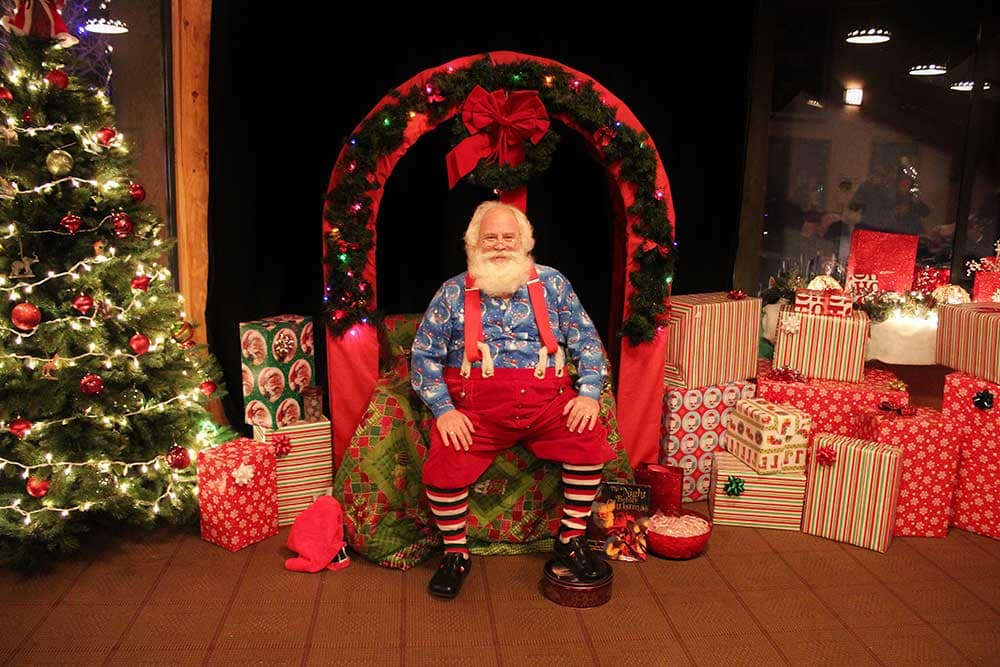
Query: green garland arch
(347,299)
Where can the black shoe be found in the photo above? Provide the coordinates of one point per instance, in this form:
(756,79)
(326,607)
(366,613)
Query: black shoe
(575,555)
(447,581)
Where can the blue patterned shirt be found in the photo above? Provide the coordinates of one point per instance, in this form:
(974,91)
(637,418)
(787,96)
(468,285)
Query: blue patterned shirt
(510,332)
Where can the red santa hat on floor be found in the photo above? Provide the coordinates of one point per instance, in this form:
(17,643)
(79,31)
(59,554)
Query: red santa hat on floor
(318,537)
(40,18)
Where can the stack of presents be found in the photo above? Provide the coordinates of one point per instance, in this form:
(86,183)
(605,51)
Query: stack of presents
(812,440)
(249,487)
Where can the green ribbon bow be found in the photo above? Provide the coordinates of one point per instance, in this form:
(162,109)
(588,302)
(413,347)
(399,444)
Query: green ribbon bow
(734,486)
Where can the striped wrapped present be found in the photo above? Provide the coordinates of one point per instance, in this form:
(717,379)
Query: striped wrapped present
(768,437)
(822,346)
(852,491)
(712,339)
(305,464)
(968,339)
(742,497)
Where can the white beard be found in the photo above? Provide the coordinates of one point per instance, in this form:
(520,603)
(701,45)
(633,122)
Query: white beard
(501,279)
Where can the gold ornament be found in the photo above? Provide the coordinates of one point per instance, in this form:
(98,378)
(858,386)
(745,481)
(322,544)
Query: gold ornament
(950,294)
(59,162)
(824,283)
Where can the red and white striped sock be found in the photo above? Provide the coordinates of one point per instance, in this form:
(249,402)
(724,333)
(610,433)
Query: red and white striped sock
(579,489)
(450,508)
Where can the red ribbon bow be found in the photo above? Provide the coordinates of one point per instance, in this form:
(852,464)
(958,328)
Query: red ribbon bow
(896,410)
(649,246)
(499,124)
(826,455)
(784,374)
(282,444)
(737,295)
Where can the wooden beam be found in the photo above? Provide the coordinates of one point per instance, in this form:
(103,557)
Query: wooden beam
(191,23)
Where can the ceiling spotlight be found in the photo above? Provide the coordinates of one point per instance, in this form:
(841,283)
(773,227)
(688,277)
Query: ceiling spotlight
(869,36)
(102,22)
(966,86)
(928,70)
(853,96)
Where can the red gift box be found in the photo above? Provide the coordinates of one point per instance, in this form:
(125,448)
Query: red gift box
(930,443)
(986,286)
(834,405)
(238,493)
(930,278)
(860,285)
(966,396)
(892,257)
(693,427)
(823,302)
(976,506)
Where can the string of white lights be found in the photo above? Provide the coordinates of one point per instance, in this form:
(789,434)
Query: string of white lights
(84,507)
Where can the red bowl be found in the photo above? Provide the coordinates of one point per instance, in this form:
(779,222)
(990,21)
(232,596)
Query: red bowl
(679,548)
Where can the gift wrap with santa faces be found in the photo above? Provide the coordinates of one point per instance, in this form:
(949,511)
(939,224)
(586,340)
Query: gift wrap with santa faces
(693,427)
(277,366)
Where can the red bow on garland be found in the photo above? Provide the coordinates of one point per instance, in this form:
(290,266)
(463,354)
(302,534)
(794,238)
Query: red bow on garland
(895,410)
(826,455)
(500,124)
(650,246)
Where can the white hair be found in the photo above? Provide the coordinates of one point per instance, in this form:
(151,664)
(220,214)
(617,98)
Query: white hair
(523,226)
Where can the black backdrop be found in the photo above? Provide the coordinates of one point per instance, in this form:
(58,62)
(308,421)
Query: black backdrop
(287,87)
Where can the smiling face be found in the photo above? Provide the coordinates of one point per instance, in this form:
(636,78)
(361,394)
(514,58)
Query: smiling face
(499,261)
(499,237)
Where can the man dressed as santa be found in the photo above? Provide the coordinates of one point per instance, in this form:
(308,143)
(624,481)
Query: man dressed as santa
(489,361)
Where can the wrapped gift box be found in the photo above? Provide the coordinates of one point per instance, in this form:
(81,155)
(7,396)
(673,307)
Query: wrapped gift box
(930,444)
(666,486)
(822,346)
(742,497)
(986,286)
(768,437)
(969,339)
(968,397)
(834,406)
(852,491)
(834,302)
(976,506)
(277,365)
(304,454)
(891,257)
(860,285)
(929,278)
(693,428)
(237,493)
(712,339)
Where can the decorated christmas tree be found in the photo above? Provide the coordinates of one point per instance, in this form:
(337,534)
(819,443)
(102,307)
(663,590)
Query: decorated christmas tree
(102,389)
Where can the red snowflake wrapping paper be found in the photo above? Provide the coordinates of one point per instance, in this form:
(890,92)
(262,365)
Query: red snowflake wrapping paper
(833,302)
(834,406)
(986,286)
(959,402)
(892,257)
(976,506)
(238,493)
(930,443)
(694,427)
(822,346)
(968,339)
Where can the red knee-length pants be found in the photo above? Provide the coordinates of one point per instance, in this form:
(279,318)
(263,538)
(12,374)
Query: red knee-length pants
(511,407)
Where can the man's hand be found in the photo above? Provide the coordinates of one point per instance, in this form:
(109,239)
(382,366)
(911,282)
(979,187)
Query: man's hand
(582,412)
(456,430)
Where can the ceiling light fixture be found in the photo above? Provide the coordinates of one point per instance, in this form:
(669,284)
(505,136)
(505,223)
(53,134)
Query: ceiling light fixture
(928,70)
(966,86)
(869,36)
(103,23)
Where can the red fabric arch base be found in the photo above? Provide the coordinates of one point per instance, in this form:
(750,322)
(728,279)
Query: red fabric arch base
(352,360)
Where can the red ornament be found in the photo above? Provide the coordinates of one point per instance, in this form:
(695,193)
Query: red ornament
(178,458)
(208,388)
(137,192)
(282,444)
(71,222)
(20,427)
(25,316)
(5,94)
(58,79)
(91,384)
(339,314)
(122,224)
(26,116)
(83,303)
(139,343)
(105,135)
(141,283)
(37,488)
